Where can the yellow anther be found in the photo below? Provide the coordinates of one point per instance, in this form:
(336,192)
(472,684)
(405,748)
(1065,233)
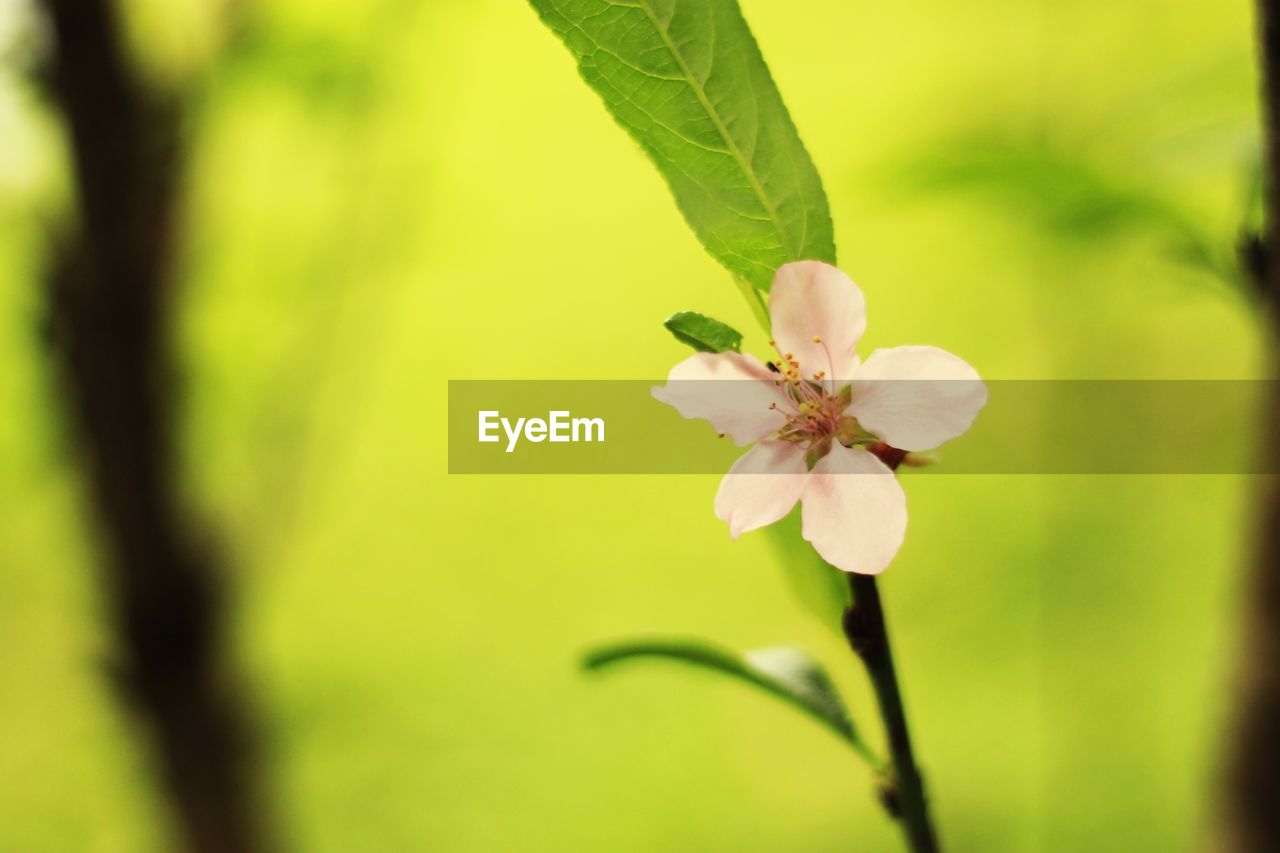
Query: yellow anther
(817,340)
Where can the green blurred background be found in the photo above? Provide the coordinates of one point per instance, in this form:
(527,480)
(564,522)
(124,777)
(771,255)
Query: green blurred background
(386,195)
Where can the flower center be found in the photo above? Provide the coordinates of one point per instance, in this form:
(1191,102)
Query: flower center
(814,412)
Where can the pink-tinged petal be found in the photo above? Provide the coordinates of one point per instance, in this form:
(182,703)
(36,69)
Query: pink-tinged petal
(915,398)
(810,299)
(731,390)
(762,486)
(853,510)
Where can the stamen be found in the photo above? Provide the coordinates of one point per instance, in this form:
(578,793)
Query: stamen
(811,409)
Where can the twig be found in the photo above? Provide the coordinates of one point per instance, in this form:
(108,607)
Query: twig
(868,635)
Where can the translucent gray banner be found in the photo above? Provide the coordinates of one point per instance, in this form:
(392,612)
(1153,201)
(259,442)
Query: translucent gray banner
(1027,427)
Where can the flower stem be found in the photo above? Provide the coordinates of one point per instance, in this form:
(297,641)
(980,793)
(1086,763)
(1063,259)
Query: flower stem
(864,626)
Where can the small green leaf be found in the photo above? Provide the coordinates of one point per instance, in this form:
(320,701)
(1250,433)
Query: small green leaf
(703,333)
(786,672)
(686,80)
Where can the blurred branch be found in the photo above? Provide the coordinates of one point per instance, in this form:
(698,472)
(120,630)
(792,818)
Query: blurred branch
(1253,819)
(109,294)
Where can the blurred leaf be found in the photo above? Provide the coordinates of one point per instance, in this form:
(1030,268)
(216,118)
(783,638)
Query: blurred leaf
(686,80)
(1067,194)
(703,333)
(819,587)
(786,672)
(1250,253)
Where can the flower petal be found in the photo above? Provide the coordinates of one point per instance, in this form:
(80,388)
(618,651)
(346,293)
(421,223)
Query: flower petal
(707,386)
(854,511)
(915,398)
(762,486)
(810,299)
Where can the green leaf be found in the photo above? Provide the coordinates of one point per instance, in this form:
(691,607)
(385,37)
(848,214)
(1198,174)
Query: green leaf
(703,333)
(786,672)
(687,81)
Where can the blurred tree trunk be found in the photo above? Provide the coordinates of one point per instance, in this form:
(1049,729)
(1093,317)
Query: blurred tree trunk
(110,289)
(1253,810)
